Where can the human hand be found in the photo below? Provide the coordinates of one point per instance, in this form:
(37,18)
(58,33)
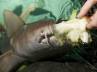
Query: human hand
(86,7)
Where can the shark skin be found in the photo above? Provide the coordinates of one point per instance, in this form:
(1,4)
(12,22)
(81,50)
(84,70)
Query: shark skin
(33,42)
(51,66)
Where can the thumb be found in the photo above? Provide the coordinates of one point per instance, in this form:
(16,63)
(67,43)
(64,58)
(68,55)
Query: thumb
(84,10)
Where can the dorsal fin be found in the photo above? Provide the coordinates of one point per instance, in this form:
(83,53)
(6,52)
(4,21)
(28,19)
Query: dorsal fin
(12,21)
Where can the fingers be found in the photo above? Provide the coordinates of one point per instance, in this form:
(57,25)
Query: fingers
(93,22)
(85,8)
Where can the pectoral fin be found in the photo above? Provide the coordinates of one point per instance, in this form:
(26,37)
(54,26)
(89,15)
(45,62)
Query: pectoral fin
(12,21)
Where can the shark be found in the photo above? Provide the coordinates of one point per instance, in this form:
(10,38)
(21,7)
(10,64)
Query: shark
(33,42)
